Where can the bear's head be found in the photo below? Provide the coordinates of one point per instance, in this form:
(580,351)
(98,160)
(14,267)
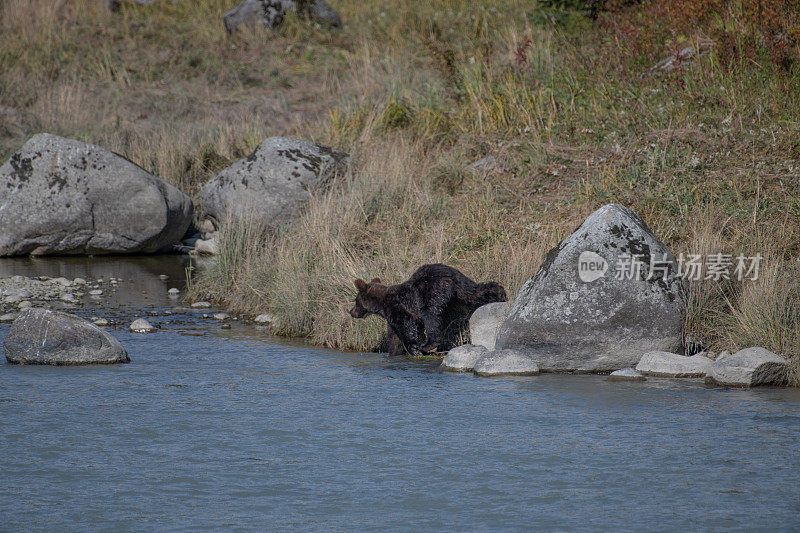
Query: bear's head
(369,300)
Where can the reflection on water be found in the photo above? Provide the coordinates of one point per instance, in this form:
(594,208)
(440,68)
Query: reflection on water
(142,282)
(217,429)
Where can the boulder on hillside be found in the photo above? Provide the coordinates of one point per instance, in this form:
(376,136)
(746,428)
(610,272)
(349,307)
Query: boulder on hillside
(750,367)
(272,183)
(485,322)
(318,11)
(66,197)
(268,13)
(114,5)
(684,56)
(605,295)
(672,365)
(271,13)
(505,363)
(462,358)
(43,337)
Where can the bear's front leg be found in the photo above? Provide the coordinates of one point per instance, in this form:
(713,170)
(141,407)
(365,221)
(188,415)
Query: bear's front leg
(396,348)
(407,330)
(433,331)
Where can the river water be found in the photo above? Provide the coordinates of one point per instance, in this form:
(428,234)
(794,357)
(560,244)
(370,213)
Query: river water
(229,429)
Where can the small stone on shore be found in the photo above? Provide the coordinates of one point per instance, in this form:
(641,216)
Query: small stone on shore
(671,365)
(8,317)
(266,318)
(206,247)
(750,367)
(201,305)
(505,363)
(100,322)
(95,292)
(463,358)
(222,316)
(173,290)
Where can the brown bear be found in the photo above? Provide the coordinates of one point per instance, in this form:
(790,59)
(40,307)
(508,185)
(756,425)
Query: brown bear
(428,312)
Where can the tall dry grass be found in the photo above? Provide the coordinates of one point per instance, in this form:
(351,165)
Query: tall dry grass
(385,218)
(766,312)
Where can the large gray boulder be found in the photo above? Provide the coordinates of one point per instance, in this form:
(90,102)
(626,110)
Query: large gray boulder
(268,13)
(485,322)
(272,183)
(271,13)
(672,365)
(43,337)
(66,197)
(505,363)
(462,358)
(577,314)
(749,368)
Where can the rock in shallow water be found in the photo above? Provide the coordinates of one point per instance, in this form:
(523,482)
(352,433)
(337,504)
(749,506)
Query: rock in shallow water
(591,307)
(626,374)
(505,363)
(44,337)
(67,197)
(462,358)
(140,325)
(750,367)
(671,365)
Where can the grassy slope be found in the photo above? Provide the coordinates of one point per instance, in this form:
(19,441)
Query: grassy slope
(709,155)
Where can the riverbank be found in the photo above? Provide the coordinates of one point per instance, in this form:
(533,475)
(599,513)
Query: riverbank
(563,114)
(531,128)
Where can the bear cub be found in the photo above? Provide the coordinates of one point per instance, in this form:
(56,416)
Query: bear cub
(428,312)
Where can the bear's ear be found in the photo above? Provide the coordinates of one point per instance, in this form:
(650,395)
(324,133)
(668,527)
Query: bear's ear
(375,280)
(360,285)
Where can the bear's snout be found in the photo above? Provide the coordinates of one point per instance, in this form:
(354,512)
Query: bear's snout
(355,312)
